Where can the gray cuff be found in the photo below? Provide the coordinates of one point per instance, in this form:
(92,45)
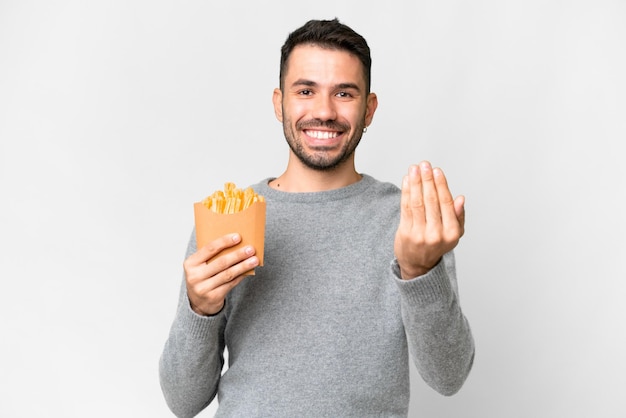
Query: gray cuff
(432,287)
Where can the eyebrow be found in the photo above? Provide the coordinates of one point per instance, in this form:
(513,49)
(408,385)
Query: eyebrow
(310,83)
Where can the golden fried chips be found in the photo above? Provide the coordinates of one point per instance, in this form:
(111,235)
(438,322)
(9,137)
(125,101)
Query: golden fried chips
(232,199)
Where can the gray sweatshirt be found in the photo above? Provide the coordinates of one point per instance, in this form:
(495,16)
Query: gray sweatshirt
(325,327)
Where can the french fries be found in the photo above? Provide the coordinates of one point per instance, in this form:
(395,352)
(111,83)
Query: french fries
(232,199)
(228,211)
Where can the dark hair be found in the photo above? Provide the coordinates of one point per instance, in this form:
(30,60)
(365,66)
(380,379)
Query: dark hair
(329,34)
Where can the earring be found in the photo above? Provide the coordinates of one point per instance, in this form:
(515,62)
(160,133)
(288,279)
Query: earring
(365,129)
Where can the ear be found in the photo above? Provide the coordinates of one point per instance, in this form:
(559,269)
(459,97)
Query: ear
(277,99)
(372,104)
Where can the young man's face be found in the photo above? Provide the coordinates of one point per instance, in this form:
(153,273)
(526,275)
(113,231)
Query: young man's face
(323,105)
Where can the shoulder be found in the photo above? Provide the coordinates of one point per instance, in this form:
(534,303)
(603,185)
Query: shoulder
(380,199)
(381,189)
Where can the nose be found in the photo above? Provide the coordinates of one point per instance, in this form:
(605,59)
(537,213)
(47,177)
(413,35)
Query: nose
(324,108)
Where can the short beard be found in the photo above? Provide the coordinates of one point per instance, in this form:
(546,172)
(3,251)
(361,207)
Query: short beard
(320,161)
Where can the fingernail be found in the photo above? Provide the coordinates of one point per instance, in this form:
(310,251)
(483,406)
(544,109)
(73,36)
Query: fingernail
(235,237)
(249,250)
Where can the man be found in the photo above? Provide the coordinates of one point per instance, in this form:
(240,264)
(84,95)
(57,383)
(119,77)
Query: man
(357,273)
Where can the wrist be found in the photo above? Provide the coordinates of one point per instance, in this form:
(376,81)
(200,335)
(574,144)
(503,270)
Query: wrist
(411,272)
(203,312)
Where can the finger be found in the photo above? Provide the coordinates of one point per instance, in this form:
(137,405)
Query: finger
(405,202)
(225,267)
(459,210)
(416,198)
(222,282)
(431,198)
(207,296)
(216,295)
(449,214)
(224,289)
(443,194)
(213,248)
(237,273)
(222,270)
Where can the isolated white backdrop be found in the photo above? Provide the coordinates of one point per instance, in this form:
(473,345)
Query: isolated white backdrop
(115,116)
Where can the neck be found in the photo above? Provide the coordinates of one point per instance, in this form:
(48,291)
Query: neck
(299,178)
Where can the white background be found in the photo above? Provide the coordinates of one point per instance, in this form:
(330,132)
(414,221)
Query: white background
(115,116)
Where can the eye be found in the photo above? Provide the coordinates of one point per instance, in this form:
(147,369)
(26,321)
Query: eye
(305,92)
(344,95)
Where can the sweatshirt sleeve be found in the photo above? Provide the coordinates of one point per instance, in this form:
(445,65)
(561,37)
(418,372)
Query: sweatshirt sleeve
(439,337)
(191,362)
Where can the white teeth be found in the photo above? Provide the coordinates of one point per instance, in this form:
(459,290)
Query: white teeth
(322,134)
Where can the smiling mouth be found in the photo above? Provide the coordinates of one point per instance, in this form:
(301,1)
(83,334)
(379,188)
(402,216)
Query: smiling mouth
(322,134)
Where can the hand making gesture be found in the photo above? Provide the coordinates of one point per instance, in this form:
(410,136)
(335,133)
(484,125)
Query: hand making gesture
(431,221)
